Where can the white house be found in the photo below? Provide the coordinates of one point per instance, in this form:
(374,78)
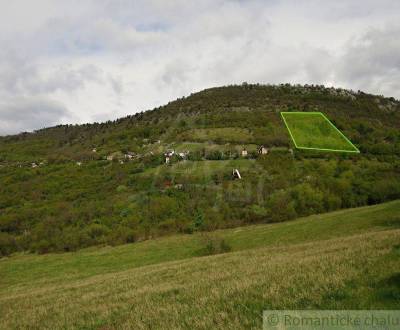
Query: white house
(129,155)
(168,154)
(244,152)
(236,174)
(263,150)
(183,154)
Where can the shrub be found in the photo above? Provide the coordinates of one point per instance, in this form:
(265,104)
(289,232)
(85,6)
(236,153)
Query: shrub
(213,244)
(7,244)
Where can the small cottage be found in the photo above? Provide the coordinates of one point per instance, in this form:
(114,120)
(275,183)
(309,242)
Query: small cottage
(244,153)
(183,154)
(168,155)
(129,155)
(263,150)
(236,174)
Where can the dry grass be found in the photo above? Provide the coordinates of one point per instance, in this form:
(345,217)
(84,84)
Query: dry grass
(220,292)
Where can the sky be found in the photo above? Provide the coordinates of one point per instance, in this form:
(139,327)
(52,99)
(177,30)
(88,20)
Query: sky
(82,61)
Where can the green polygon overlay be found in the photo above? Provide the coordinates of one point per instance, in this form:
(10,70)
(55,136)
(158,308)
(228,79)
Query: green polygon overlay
(320,149)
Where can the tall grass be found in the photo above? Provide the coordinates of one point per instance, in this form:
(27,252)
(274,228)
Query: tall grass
(345,260)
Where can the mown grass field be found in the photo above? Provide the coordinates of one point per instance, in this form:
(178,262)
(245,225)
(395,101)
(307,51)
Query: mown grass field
(313,130)
(348,259)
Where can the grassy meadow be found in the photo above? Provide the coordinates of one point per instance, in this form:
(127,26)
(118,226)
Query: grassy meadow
(230,134)
(348,259)
(313,130)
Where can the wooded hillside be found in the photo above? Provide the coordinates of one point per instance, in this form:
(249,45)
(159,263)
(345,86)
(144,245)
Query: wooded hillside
(72,186)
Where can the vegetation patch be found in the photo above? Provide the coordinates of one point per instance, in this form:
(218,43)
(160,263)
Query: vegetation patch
(72,186)
(229,290)
(218,135)
(313,130)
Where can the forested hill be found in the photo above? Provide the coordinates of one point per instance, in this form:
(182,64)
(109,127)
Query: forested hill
(71,186)
(371,121)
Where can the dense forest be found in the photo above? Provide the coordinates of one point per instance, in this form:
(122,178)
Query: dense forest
(170,169)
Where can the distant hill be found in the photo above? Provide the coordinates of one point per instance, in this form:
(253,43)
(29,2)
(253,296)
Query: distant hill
(71,186)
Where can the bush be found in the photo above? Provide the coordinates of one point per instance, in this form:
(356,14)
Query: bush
(213,244)
(121,235)
(121,188)
(281,207)
(7,244)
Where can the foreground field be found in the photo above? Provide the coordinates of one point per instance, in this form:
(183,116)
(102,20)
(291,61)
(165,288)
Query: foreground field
(345,259)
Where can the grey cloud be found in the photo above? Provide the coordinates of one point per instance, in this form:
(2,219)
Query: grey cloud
(116,84)
(21,75)
(26,114)
(115,57)
(66,79)
(372,62)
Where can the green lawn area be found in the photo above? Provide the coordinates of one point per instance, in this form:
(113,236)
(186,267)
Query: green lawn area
(201,171)
(341,260)
(218,135)
(209,146)
(312,130)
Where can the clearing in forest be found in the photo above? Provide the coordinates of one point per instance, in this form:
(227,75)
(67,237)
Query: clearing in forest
(314,131)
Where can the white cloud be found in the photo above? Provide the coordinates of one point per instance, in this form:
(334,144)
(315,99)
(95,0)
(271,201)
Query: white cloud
(97,60)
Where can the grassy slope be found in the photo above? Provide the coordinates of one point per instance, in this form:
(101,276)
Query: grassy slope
(231,134)
(301,264)
(311,130)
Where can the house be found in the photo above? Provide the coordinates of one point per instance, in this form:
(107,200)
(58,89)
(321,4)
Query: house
(94,150)
(129,155)
(33,165)
(79,163)
(110,157)
(263,150)
(168,154)
(183,155)
(244,153)
(236,174)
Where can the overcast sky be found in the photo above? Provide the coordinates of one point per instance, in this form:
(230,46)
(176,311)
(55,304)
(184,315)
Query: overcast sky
(84,61)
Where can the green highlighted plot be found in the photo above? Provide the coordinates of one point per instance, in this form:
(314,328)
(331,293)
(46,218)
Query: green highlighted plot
(312,130)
